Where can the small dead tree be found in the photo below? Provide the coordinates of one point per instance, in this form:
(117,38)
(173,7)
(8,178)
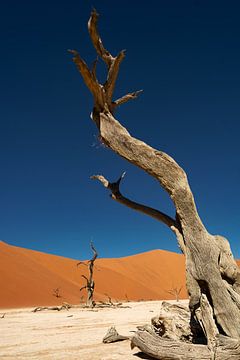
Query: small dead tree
(90,284)
(175,291)
(213,277)
(56,292)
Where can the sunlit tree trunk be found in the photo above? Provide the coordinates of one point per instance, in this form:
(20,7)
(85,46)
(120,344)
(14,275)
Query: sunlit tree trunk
(213,278)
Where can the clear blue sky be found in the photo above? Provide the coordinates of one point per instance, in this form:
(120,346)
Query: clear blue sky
(184,54)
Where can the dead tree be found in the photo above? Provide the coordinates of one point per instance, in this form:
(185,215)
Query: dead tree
(213,278)
(90,284)
(175,291)
(56,292)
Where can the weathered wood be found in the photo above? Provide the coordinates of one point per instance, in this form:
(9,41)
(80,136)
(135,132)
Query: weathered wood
(227,348)
(173,325)
(113,336)
(204,315)
(173,322)
(167,349)
(213,278)
(64,306)
(116,195)
(234,295)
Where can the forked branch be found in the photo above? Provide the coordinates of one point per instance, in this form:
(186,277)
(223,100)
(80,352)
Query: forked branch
(117,196)
(102,93)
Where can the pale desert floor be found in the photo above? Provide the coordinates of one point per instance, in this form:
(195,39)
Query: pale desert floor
(73,334)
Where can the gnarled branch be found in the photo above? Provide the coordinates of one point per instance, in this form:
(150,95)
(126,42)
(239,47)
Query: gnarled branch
(117,196)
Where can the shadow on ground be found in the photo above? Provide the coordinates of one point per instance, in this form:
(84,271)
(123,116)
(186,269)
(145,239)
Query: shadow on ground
(141,355)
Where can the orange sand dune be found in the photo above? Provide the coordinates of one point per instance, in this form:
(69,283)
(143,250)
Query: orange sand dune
(28,278)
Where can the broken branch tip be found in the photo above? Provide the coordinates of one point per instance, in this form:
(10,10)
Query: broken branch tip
(74,52)
(94,12)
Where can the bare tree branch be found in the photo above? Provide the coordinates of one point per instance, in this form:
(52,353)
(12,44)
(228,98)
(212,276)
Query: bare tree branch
(113,63)
(94,69)
(117,196)
(95,254)
(81,263)
(127,97)
(85,277)
(96,40)
(87,75)
(113,74)
(83,287)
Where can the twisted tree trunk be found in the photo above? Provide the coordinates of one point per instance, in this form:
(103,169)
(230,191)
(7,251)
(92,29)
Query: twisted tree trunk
(213,278)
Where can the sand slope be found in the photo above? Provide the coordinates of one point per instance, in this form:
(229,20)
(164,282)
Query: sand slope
(28,277)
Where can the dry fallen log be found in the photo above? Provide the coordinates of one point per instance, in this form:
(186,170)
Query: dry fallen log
(166,349)
(113,336)
(65,306)
(112,306)
(173,336)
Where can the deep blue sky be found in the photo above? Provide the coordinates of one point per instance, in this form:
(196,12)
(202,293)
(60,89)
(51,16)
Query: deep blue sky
(184,54)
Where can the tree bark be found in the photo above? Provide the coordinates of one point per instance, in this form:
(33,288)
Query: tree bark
(213,278)
(166,349)
(113,336)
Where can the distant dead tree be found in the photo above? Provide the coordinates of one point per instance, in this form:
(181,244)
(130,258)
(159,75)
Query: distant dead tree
(212,275)
(126,296)
(109,299)
(90,284)
(175,291)
(56,292)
